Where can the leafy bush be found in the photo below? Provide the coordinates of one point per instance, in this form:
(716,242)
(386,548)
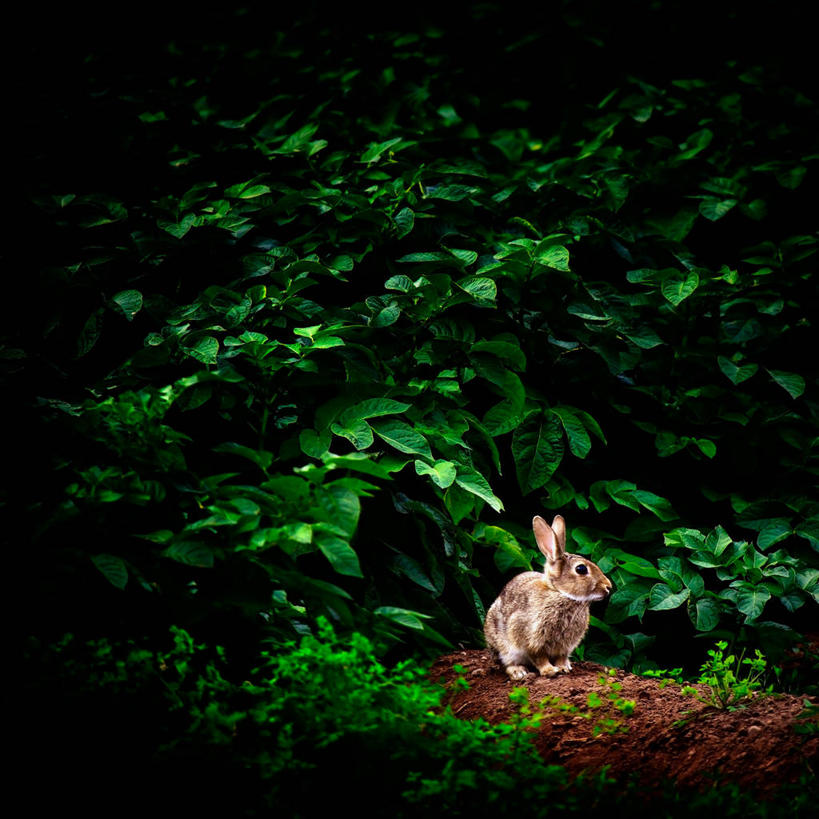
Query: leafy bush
(317,726)
(339,326)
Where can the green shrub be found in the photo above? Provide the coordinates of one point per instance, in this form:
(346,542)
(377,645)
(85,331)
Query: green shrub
(317,726)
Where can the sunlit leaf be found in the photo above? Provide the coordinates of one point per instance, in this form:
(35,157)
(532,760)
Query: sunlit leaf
(442,472)
(679,286)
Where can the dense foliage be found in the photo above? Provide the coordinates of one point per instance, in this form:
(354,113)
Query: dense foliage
(316,323)
(316,728)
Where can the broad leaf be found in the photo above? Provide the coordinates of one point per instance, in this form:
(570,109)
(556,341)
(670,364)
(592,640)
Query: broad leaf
(341,555)
(113,568)
(537,448)
(792,383)
(129,302)
(403,437)
(736,373)
(662,598)
(475,483)
(442,472)
(679,286)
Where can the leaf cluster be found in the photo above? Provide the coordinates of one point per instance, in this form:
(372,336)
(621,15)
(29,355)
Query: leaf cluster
(344,324)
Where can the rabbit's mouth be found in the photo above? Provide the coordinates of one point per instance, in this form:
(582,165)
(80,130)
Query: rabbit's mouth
(586,598)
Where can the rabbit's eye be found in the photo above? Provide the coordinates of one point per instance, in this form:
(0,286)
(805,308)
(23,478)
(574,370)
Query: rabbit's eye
(582,569)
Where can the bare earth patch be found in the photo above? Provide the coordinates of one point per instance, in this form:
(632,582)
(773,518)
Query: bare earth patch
(668,736)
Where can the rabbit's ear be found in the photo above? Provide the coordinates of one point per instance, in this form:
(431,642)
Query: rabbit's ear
(546,539)
(559,528)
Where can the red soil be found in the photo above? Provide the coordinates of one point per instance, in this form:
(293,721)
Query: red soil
(669,735)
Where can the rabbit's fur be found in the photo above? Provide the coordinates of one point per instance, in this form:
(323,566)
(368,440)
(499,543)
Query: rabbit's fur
(539,618)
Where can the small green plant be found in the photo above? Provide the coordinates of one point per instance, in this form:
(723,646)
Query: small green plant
(730,679)
(603,709)
(808,720)
(612,724)
(665,676)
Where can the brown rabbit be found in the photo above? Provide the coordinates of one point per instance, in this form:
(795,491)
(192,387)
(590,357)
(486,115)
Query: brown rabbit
(539,618)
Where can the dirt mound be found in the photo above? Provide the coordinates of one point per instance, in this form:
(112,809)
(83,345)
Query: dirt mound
(667,735)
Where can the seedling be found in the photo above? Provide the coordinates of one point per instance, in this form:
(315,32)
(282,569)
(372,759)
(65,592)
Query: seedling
(730,679)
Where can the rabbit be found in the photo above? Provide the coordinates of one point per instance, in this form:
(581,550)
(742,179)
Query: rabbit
(539,618)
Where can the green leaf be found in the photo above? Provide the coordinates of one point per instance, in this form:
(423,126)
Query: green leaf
(792,383)
(376,149)
(464,257)
(441,472)
(129,302)
(643,337)
(629,601)
(579,440)
(401,282)
(751,600)
(773,531)
(262,458)
(340,505)
(537,449)
(654,503)
(404,617)
(357,431)
(90,333)
(372,408)
(736,373)
(387,316)
(476,484)
(326,342)
(718,541)
(479,287)
(205,350)
(502,349)
(698,141)
(506,415)
(689,538)
(662,598)
(714,208)
(403,437)
(341,555)
(191,553)
(706,614)
(556,257)
(451,193)
(678,287)
(508,552)
(634,564)
(810,531)
(459,503)
(408,567)
(113,568)
(252,191)
(179,229)
(313,444)
(791,177)
(404,222)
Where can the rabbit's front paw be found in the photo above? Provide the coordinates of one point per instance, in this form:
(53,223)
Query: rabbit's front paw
(547,669)
(563,665)
(517,672)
